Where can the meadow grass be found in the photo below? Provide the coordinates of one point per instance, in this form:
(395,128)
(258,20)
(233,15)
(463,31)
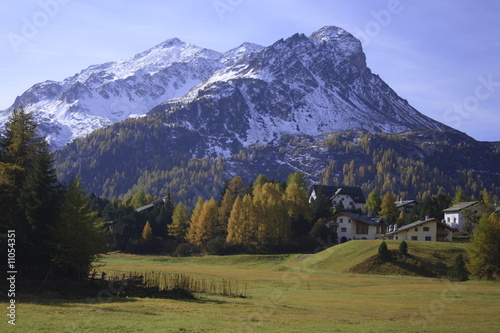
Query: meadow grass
(286,293)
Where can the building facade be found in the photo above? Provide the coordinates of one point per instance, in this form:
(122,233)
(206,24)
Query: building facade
(429,230)
(454,216)
(351,226)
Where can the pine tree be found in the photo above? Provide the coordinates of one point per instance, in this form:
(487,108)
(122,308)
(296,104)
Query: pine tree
(179,225)
(373,203)
(78,237)
(389,212)
(30,191)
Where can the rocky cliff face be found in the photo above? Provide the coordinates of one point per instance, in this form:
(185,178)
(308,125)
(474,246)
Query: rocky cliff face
(301,85)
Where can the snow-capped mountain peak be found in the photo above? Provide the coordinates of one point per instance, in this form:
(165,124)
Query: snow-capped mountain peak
(298,85)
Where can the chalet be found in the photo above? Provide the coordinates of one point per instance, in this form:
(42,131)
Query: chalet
(350,226)
(405,205)
(453,216)
(429,229)
(349,196)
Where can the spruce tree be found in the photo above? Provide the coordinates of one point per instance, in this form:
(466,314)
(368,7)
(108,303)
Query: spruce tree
(78,235)
(373,203)
(30,192)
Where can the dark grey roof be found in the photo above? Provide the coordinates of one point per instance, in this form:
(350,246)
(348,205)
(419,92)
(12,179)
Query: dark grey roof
(330,191)
(460,206)
(419,222)
(401,203)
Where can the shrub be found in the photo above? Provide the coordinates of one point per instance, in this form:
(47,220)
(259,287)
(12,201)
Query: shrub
(403,248)
(383,252)
(185,250)
(216,246)
(458,272)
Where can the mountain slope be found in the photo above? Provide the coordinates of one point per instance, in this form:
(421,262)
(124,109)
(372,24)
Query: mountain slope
(301,85)
(104,94)
(303,103)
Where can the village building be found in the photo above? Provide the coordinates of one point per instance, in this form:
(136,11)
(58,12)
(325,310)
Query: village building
(454,216)
(429,229)
(349,196)
(405,205)
(351,226)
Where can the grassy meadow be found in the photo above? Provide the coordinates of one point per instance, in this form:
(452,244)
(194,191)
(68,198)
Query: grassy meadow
(285,293)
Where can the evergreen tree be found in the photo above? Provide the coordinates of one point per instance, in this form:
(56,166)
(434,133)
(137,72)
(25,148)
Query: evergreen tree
(458,272)
(389,212)
(373,203)
(179,225)
(321,206)
(403,248)
(484,251)
(78,237)
(30,192)
(383,252)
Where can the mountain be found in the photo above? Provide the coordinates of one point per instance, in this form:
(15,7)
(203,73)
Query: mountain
(303,103)
(302,85)
(104,94)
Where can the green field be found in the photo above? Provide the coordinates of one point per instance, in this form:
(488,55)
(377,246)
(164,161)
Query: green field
(286,293)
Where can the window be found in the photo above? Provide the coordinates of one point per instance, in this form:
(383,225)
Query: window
(341,220)
(428,238)
(349,221)
(449,219)
(362,229)
(416,229)
(343,229)
(426,228)
(351,203)
(414,238)
(396,238)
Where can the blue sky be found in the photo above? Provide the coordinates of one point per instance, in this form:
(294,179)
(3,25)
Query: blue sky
(443,56)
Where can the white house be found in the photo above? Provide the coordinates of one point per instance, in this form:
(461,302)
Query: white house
(429,229)
(349,196)
(351,226)
(453,216)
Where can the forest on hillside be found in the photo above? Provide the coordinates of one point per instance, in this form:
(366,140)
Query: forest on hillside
(118,161)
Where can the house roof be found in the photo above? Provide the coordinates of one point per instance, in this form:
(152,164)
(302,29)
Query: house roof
(401,203)
(420,222)
(331,191)
(360,218)
(460,206)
